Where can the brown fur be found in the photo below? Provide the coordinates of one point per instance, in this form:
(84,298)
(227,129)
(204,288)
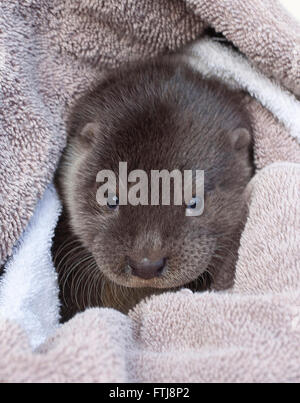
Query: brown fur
(157,115)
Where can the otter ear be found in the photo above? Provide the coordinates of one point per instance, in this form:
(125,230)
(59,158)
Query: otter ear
(88,133)
(240,138)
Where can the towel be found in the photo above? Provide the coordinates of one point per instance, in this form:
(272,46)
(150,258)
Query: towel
(249,333)
(29,294)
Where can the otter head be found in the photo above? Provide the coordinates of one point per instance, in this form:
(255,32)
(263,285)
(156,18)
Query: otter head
(154,117)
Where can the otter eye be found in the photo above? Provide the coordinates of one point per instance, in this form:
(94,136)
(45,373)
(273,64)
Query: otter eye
(193,203)
(113,202)
(194,207)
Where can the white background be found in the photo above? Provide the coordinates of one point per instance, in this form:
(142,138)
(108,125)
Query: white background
(293,7)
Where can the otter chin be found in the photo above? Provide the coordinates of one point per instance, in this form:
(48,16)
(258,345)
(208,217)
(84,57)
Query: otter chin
(161,273)
(159,115)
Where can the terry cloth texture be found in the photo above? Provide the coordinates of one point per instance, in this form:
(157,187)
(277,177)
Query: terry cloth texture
(50,52)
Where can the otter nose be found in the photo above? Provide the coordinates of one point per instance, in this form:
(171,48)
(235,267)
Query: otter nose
(147,268)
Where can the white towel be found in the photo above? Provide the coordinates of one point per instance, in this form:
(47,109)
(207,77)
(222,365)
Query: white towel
(28,288)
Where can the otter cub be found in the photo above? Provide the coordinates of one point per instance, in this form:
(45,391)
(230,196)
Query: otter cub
(156,115)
